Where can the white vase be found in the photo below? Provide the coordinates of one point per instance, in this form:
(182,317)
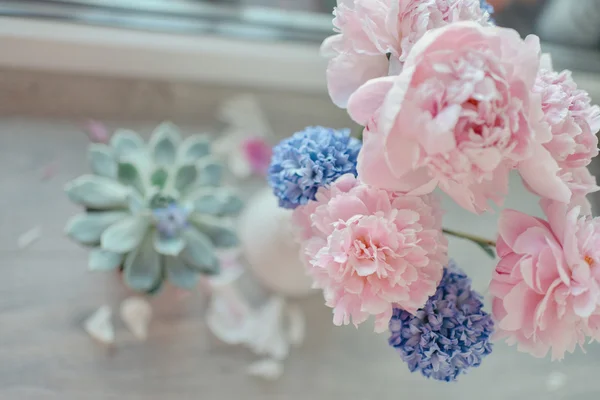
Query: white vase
(269,247)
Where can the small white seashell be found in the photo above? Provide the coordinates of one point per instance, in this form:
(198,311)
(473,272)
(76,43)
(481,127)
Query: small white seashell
(268,369)
(555,381)
(136,312)
(29,237)
(99,326)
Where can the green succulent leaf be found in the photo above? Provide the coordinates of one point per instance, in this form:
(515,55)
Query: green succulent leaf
(136,202)
(185,176)
(168,246)
(180,274)
(143,267)
(164,142)
(87,228)
(219,202)
(102,260)
(126,235)
(125,142)
(210,173)
(159,177)
(97,192)
(102,160)
(220,233)
(129,175)
(194,148)
(199,253)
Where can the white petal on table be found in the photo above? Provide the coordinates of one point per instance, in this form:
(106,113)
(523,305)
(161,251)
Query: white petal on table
(228,316)
(266,332)
(136,312)
(268,369)
(99,325)
(28,238)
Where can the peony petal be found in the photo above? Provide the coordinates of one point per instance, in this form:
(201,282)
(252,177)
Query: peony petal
(349,71)
(540,173)
(364,103)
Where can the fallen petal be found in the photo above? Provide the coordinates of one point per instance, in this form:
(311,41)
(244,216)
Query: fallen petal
(296,325)
(267,369)
(136,312)
(29,237)
(99,325)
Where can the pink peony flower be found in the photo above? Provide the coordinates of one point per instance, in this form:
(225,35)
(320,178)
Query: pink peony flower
(574,123)
(546,285)
(460,116)
(370,249)
(371,31)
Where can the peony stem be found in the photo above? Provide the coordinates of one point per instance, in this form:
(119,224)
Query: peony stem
(486,244)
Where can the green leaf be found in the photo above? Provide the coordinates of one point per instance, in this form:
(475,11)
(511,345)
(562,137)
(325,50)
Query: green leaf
(102,161)
(164,142)
(159,177)
(143,267)
(220,233)
(194,148)
(126,235)
(168,246)
(87,228)
(102,260)
(221,202)
(125,142)
(210,173)
(97,192)
(489,250)
(185,176)
(180,274)
(199,253)
(129,175)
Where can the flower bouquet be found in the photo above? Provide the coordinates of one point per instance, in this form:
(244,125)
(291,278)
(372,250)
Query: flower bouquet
(449,102)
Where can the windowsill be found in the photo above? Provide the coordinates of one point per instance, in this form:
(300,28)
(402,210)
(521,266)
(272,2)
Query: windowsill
(71,48)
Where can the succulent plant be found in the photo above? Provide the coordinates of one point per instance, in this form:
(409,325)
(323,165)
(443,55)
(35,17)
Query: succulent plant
(154,210)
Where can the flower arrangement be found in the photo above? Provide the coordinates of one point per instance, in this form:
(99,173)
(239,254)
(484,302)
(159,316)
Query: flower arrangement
(448,101)
(155,210)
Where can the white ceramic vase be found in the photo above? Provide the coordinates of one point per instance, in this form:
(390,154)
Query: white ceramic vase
(268,245)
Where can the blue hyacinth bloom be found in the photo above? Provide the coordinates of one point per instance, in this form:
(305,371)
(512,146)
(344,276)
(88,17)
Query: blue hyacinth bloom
(309,159)
(487,7)
(449,335)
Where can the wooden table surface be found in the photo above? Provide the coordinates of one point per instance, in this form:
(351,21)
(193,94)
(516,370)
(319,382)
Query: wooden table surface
(46,292)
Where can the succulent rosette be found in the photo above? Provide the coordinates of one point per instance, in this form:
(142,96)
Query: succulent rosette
(156,210)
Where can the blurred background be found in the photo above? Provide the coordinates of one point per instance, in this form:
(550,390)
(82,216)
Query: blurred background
(134,63)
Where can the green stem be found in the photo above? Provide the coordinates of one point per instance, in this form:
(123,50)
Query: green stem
(473,238)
